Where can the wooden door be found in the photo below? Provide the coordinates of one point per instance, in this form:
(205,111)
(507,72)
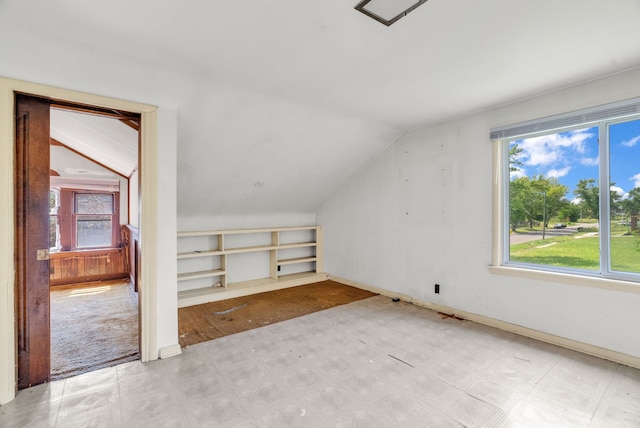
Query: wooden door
(32,240)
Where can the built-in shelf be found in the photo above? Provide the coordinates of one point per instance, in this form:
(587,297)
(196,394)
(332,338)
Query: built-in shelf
(296,245)
(212,246)
(200,274)
(194,254)
(284,262)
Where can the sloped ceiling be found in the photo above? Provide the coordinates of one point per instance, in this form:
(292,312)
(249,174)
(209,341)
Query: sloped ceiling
(68,164)
(298,96)
(105,139)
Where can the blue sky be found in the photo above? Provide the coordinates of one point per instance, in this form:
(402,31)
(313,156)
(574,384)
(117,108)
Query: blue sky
(573,155)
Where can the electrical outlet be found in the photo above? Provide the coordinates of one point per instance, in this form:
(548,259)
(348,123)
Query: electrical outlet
(436,289)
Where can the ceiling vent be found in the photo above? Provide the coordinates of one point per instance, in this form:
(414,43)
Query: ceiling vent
(387,11)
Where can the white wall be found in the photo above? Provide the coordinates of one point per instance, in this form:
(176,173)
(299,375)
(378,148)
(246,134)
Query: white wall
(245,221)
(422,214)
(166,247)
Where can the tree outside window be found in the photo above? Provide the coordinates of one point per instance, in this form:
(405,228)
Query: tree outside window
(558,218)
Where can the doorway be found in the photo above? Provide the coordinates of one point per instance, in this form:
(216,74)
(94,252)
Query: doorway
(149,220)
(70,215)
(93,225)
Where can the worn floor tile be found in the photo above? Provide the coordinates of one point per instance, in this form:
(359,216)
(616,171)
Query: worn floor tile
(372,363)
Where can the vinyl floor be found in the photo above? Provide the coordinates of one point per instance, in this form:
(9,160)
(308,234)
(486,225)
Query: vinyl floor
(370,363)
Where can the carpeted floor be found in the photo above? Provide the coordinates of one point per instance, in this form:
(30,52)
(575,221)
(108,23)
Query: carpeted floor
(209,321)
(92,327)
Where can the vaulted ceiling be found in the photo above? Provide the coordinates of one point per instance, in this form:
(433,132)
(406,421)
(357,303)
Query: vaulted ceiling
(280,102)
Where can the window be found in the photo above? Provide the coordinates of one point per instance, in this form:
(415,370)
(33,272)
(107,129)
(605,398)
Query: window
(571,192)
(83,219)
(54,226)
(94,220)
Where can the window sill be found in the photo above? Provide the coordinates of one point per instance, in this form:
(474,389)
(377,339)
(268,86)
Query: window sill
(566,278)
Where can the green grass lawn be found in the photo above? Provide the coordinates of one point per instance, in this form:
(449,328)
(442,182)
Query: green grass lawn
(580,253)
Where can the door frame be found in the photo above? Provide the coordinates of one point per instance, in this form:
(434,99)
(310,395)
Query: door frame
(148,294)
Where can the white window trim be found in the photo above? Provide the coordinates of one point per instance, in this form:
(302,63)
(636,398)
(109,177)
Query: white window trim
(500,239)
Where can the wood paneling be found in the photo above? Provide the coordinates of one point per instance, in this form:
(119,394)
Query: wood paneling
(71,267)
(130,245)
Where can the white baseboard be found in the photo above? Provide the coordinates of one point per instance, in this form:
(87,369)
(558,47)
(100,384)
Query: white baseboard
(596,351)
(170,351)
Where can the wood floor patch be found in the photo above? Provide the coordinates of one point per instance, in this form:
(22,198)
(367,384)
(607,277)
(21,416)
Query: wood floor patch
(210,321)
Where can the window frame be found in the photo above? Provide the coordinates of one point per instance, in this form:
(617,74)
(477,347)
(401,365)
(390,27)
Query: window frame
(68,219)
(75,216)
(54,212)
(602,117)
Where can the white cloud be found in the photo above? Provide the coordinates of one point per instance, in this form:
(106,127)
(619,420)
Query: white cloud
(631,142)
(557,173)
(618,190)
(590,161)
(518,173)
(550,149)
(636,180)
(540,154)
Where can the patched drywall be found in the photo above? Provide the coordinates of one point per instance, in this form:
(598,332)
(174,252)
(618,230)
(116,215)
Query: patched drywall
(422,214)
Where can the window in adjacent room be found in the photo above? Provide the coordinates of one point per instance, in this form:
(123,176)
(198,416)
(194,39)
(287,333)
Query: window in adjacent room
(83,219)
(572,192)
(54,226)
(94,220)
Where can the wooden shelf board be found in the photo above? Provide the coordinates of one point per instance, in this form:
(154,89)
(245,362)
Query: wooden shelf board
(296,260)
(239,250)
(239,289)
(187,234)
(249,249)
(204,253)
(296,245)
(201,274)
